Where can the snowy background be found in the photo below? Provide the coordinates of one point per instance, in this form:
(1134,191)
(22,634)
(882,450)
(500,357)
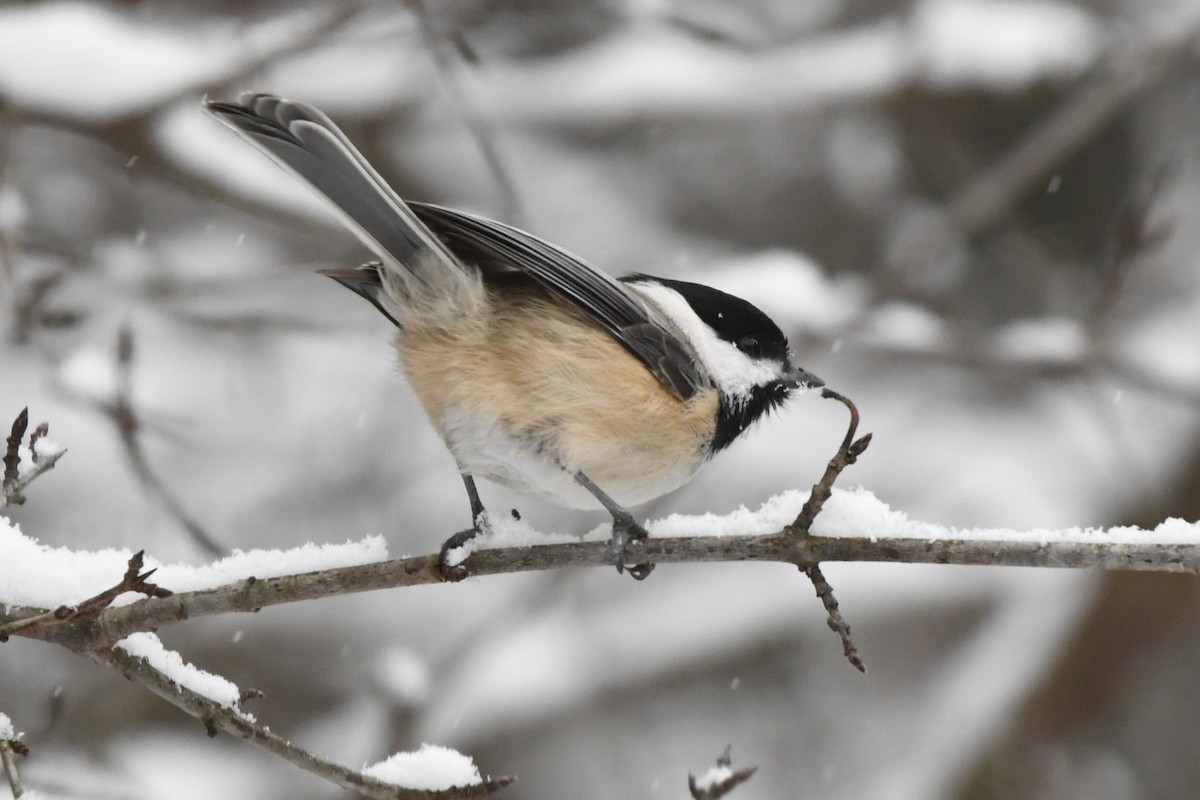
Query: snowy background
(977,218)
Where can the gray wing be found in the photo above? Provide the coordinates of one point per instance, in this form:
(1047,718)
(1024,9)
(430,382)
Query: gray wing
(603,298)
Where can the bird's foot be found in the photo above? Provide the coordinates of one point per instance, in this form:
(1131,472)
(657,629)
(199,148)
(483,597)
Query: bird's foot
(624,530)
(450,564)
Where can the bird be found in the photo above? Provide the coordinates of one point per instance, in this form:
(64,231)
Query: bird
(539,371)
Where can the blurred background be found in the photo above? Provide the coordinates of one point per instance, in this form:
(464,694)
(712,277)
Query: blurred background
(977,218)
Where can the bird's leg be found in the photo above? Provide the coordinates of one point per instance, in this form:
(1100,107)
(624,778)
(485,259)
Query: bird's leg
(479,524)
(624,528)
(477,509)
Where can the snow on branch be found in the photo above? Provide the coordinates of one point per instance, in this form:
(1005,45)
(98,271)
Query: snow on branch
(855,525)
(719,780)
(434,768)
(134,580)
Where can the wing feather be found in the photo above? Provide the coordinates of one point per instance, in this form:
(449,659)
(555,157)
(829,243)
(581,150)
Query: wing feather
(612,304)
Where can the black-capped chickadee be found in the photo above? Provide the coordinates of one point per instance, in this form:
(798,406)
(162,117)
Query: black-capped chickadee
(539,371)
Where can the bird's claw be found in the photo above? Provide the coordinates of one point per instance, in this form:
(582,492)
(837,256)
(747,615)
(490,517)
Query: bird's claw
(624,530)
(452,573)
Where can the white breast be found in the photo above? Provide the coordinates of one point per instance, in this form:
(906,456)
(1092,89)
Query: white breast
(484,449)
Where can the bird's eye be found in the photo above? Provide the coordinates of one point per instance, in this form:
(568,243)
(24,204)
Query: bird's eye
(750,346)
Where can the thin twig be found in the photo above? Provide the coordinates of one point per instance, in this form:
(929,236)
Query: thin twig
(8,748)
(39,433)
(12,455)
(846,455)
(15,482)
(14,495)
(720,781)
(836,622)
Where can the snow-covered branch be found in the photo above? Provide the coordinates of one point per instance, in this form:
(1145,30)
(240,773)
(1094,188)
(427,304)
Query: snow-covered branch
(719,780)
(854,526)
(162,673)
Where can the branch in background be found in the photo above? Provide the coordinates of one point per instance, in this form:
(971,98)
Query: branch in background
(1137,234)
(8,232)
(122,413)
(136,131)
(25,295)
(316,32)
(719,780)
(480,129)
(993,193)
(967,350)
(31,310)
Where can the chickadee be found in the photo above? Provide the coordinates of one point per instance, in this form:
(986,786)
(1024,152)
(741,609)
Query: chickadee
(539,371)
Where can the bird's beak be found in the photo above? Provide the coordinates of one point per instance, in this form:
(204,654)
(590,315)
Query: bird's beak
(799,379)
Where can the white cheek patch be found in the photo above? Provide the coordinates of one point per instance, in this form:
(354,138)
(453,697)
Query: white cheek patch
(734,372)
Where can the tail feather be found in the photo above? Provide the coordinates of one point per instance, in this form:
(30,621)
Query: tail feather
(414,262)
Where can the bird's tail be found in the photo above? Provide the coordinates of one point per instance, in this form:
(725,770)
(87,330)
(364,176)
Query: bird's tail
(418,277)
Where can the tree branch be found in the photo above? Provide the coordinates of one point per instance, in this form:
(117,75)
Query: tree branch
(217,717)
(253,594)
